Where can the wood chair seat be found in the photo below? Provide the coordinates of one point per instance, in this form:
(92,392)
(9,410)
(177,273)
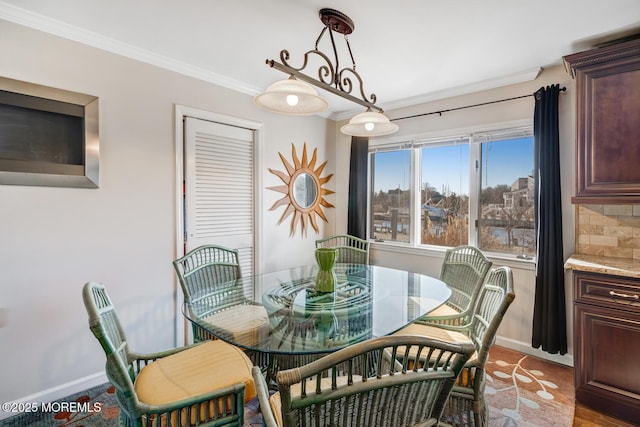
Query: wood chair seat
(247,323)
(197,370)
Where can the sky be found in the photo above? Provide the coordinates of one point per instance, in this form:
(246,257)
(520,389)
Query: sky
(449,166)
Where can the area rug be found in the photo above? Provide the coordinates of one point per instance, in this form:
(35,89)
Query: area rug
(522,391)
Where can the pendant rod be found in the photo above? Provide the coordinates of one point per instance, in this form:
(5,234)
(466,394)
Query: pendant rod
(297,74)
(562,89)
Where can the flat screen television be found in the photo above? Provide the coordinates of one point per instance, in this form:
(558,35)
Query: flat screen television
(48,136)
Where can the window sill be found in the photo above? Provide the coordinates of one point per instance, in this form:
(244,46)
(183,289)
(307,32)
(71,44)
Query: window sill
(509,260)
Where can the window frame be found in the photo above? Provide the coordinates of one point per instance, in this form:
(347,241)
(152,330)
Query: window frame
(476,136)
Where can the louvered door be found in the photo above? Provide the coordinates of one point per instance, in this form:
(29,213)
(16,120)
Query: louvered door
(219,183)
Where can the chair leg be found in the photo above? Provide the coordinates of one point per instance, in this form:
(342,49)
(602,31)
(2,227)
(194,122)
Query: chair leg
(480,410)
(480,413)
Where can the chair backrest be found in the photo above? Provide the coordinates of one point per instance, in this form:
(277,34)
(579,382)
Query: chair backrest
(496,296)
(329,391)
(204,267)
(105,325)
(351,249)
(464,269)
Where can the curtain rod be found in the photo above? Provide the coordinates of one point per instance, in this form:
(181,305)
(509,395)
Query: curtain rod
(562,89)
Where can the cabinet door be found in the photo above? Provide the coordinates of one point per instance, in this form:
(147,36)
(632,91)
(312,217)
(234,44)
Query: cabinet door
(607,366)
(608,129)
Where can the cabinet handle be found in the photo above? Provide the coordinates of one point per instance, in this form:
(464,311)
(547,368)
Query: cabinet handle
(616,294)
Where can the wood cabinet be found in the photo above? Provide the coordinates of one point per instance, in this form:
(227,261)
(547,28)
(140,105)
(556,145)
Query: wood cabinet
(607,343)
(608,123)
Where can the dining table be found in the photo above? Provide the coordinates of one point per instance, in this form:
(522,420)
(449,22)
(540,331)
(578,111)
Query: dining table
(283,321)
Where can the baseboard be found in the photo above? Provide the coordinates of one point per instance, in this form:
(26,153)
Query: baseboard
(526,348)
(60,392)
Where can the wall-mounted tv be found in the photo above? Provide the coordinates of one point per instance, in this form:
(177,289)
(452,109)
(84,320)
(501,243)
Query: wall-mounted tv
(48,136)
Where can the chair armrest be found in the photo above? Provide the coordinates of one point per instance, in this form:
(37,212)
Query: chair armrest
(141,359)
(263,397)
(453,322)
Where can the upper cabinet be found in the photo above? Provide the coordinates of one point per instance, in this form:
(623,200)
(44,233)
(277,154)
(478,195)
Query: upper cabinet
(608,123)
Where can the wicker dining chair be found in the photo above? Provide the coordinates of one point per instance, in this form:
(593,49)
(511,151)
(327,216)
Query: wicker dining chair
(352,250)
(332,391)
(205,384)
(463,270)
(206,269)
(466,405)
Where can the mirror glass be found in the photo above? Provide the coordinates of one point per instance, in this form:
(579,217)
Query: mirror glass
(304,190)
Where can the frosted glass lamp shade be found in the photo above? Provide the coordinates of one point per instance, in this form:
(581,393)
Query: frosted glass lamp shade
(369,123)
(291,96)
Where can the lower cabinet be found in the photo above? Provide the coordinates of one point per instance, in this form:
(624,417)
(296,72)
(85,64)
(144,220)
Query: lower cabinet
(607,343)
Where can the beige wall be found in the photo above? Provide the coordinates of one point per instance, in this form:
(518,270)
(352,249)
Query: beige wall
(123,234)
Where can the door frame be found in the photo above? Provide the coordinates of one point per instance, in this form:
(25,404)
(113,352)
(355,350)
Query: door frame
(181,111)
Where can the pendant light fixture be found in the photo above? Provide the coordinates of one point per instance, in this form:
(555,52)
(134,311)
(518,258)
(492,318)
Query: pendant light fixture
(292,96)
(369,123)
(296,95)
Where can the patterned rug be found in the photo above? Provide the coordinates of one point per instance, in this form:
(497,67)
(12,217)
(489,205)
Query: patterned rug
(522,391)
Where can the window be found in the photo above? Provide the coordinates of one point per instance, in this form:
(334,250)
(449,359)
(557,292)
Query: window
(475,189)
(506,197)
(444,204)
(390,201)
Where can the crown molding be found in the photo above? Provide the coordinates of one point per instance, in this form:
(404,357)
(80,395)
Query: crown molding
(58,28)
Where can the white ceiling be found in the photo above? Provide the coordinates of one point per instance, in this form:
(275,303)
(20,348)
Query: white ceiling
(406,51)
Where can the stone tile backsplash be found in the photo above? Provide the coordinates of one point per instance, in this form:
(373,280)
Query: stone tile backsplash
(608,230)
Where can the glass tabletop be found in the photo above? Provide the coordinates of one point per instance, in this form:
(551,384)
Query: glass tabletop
(281,312)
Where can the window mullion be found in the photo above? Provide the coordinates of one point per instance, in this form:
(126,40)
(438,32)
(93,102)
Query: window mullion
(475,178)
(415,197)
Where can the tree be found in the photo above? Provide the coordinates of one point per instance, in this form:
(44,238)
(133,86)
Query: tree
(493,195)
(514,217)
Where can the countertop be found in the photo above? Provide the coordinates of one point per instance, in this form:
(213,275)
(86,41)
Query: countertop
(604,265)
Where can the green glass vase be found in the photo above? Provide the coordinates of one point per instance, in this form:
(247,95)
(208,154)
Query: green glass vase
(326,278)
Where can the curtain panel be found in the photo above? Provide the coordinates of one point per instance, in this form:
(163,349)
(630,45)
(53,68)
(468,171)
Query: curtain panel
(357,204)
(549,315)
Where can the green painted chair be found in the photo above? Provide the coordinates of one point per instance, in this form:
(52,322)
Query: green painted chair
(206,384)
(204,267)
(351,249)
(463,270)
(211,268)
(332,391)
(466,405)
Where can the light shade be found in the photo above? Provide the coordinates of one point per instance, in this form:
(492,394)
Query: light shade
(369,123)
(291,96)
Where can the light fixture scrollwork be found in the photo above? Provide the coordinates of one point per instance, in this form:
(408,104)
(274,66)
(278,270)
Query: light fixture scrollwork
(296,96)
(303,190)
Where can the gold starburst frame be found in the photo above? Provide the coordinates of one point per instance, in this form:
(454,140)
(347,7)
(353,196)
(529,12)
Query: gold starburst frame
(302,171)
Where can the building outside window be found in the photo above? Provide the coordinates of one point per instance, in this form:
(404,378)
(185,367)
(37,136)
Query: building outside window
(474,189)
(391,196)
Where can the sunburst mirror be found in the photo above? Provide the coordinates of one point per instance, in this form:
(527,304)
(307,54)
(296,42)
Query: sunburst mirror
(303,190)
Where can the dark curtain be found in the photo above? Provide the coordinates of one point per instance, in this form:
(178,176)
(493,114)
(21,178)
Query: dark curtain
(357,214)
(549,313)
